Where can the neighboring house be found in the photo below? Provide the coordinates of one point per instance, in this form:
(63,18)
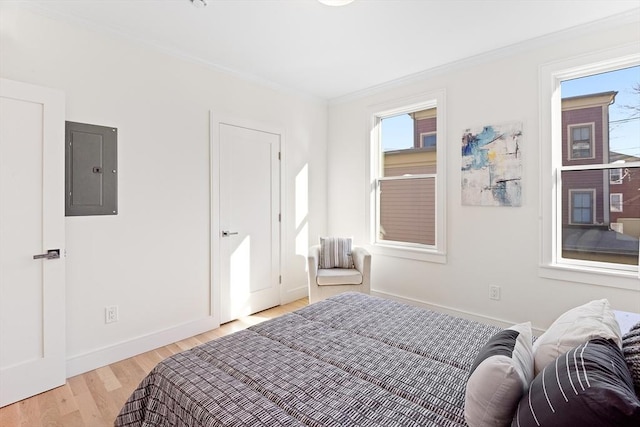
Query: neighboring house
(597,203)
(624,195)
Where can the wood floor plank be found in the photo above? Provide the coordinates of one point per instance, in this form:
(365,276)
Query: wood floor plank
(29,412)
(93,399)
(65,400)
(10,415)
(89,411)
(78,385)
(49,412)
(73,419)
(147,361)
(108,378)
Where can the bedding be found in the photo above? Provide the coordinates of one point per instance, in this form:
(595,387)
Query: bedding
(350,360)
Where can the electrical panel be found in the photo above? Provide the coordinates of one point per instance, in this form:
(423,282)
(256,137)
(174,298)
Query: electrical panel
(91,181)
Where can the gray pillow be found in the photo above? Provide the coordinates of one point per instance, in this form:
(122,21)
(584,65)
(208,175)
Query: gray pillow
(589,386)
(499,376)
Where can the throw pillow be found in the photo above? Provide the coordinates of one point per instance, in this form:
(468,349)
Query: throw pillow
(577,326)
(335,252)
(500,375)
(631,351)
(589,386)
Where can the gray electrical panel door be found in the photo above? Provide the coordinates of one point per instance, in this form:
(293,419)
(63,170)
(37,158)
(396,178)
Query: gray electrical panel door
(91,182)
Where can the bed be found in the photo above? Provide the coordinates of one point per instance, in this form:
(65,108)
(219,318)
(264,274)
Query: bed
(350,360)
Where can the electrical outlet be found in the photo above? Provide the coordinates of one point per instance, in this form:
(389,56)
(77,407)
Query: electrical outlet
(111,314)
(494,292)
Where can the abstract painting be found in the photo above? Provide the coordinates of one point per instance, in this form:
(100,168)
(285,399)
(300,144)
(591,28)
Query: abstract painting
(492,165)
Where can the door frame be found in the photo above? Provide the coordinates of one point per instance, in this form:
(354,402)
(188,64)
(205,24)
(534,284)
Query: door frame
(215,120)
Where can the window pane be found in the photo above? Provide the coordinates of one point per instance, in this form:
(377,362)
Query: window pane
(407,210)
(620,91)
(581,207)
(402,150)
(591,228)
(429,140)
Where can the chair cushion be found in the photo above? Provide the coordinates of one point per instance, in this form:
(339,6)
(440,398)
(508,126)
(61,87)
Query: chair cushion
(338,276)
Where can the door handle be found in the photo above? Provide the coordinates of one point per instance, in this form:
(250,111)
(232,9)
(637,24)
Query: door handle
(229,233)
(51,254)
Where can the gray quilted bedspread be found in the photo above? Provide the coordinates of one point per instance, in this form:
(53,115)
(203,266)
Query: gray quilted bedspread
(351,360)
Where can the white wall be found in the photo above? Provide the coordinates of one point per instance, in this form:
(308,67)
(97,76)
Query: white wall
(499,246)
(152,259)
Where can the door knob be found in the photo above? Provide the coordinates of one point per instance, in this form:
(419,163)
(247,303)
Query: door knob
(51,254)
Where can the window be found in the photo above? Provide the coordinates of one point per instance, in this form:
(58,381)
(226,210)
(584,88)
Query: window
(615,202)
(581,141)
(590,115)
(428,140)
(615,176)
(582,206)
(407,201)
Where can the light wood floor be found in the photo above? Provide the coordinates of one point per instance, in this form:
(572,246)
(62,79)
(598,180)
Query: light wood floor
(94,398)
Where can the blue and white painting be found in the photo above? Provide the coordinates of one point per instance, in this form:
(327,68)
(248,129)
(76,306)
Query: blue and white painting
(492,165)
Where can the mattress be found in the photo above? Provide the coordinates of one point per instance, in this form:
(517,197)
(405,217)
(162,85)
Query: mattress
(350,360)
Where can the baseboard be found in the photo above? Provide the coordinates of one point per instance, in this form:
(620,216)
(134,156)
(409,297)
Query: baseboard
(452,311)
(291,295)
(82,363)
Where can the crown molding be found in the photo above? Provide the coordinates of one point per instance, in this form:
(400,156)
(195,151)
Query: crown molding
(614,21)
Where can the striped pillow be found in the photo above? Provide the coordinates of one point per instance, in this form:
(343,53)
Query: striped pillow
(589,386)
(335,252)
(631,351)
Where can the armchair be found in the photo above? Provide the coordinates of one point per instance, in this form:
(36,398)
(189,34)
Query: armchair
(325,282)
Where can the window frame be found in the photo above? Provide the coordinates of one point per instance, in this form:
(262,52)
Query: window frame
(552,265)
(375,113)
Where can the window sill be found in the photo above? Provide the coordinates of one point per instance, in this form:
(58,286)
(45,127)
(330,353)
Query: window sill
(417,254)
(591,276)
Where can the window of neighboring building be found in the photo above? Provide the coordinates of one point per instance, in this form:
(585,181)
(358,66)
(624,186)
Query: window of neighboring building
(581,141)
(615,202)
(428,140)
(407,204)
(615,176)
(590,126)
(581,206)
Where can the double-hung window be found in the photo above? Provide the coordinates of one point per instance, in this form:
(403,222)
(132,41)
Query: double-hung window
(581,141)
(581,206)
(590,123)
(407,178)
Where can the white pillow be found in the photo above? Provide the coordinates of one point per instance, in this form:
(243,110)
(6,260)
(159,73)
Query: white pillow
(500,376)
(573,328)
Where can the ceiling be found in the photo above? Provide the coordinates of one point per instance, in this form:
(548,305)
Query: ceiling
(326,51)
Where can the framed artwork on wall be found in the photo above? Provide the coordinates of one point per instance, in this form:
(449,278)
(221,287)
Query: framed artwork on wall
(492,165)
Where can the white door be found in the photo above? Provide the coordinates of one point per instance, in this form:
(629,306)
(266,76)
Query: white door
(249,221)
(32,291)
